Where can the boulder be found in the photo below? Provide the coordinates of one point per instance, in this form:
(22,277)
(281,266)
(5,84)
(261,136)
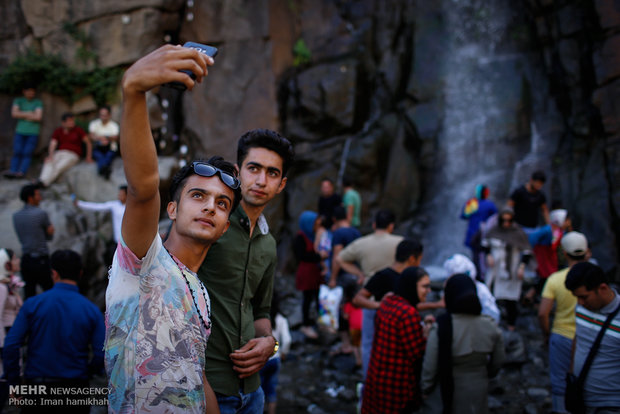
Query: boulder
(222,21)
(46,16)
(608,67)
(238,95)
(608,12)
(605,99)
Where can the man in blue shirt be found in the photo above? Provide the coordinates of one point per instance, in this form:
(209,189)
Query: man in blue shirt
(61,328)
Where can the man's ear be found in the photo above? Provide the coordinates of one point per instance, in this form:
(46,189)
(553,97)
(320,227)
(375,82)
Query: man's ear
(237,168)
(226,228)
(55,276)
(282,185)
(171,209)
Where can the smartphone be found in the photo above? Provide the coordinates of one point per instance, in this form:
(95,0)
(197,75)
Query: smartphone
(206,49)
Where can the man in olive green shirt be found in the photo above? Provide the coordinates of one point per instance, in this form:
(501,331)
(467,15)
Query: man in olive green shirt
(238,274)
(28,110)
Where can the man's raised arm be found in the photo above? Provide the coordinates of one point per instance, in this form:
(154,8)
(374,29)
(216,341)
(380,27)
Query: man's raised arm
(137,146)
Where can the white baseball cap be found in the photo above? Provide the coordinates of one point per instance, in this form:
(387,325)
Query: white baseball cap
(575,243)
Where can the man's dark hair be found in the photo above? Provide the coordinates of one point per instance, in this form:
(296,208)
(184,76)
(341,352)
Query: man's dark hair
(179,179)
(408,248)
(67,263)
(29,85)
(585,274)
(539,176)
(347,181)
(123,187)
(107,107)
(27,191)
(384,218)
(339,213)
(66,116)
(579,258)
(271,140)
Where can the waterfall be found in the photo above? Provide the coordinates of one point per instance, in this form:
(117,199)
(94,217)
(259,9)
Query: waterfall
(479,142)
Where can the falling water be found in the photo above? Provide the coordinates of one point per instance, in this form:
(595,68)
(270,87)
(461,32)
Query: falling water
(482,95)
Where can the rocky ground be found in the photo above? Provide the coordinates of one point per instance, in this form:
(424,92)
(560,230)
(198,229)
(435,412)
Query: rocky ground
(313,381)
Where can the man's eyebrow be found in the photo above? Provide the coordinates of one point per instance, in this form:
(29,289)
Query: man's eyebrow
(203,191)
(259,165)
(224,196)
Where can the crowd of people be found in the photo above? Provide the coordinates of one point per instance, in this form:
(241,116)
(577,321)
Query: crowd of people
(437,356)
(68,143)
(192,320)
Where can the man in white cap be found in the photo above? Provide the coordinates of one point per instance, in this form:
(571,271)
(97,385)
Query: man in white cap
(560,336)
(459,263)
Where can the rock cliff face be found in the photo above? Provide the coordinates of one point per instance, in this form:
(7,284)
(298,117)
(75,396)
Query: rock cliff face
(418,101)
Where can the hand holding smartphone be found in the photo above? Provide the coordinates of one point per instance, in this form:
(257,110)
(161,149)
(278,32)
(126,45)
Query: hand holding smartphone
(206,49)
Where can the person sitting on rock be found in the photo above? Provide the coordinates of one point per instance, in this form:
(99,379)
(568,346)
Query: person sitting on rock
(103,133)
(65,149)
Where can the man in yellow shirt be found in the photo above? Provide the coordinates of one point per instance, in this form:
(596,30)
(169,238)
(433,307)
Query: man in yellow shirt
(560,337)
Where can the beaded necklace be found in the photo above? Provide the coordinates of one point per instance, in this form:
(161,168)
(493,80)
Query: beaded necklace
(192,293)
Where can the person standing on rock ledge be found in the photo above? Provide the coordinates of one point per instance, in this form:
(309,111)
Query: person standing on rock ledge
(28,111)
(239,274)
(158,311)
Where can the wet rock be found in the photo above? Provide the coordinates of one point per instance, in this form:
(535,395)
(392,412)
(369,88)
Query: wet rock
(538,393)
(531,408)
(494,403)
(514,347)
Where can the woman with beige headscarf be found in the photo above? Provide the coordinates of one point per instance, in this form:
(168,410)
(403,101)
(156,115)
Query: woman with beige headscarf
(508,253)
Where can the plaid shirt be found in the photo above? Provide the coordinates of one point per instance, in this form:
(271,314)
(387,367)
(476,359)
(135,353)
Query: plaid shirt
(392,382)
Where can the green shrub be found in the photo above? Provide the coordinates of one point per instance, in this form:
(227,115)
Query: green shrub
(51,74)
(301,53)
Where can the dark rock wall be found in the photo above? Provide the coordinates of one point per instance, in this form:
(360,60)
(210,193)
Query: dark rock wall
(418,101)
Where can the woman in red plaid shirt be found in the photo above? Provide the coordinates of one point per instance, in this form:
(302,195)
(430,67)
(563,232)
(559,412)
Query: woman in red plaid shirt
(392,383)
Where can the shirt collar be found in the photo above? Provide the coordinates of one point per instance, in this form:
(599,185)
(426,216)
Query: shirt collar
(66,286)
(240,215)
(611,306)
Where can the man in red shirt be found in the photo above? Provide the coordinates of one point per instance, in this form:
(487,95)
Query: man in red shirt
(65,149)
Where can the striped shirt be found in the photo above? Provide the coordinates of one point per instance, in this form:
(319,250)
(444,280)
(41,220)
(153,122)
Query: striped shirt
(602,385)
(31,225)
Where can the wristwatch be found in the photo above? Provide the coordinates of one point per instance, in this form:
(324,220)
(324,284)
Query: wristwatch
(276,346)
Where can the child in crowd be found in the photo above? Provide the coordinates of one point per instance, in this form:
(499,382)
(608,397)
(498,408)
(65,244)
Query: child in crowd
(353,314)
(10,283)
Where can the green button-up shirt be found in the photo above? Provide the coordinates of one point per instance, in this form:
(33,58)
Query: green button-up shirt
(238,274)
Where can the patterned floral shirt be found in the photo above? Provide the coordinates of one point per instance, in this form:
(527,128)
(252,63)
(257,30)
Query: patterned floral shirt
(155,339)
(392,382)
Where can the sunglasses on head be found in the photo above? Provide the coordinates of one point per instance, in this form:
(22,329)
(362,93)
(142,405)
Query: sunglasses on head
(207,170)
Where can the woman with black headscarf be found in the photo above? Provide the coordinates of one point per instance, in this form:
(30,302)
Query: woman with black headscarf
(392,382)
(463,351)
